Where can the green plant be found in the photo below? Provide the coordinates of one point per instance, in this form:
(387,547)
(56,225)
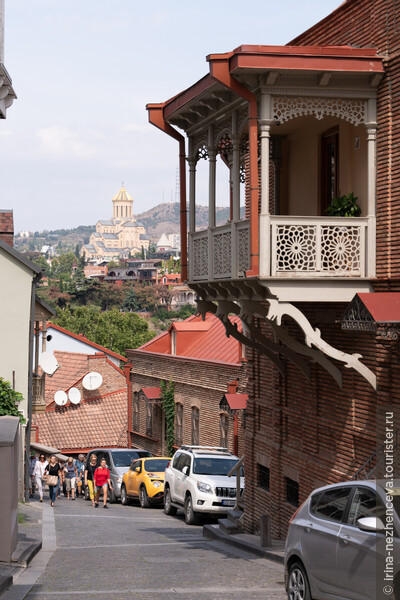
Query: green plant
(168,403)
(344,206)
(8,400)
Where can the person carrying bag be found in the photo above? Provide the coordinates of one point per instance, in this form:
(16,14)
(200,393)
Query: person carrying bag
(53,473)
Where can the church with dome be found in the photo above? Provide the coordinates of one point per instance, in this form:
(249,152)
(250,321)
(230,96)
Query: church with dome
(120,236)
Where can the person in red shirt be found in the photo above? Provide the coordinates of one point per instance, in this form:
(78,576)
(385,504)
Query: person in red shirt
(101,482)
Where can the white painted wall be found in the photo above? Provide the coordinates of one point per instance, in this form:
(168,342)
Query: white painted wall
(15,311)
(64,343)
(1,31)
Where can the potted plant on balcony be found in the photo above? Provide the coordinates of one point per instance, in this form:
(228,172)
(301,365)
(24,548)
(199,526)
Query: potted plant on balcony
(344,206)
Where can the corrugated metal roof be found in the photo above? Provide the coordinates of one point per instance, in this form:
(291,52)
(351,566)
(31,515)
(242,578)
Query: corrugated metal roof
(152,393)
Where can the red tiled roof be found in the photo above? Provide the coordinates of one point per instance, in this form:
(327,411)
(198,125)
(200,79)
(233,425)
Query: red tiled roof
(197,339)
(73,366)
(237,401)
(95,423)
(84,339)
(152,393)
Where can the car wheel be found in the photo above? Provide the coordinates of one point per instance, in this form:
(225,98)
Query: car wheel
(168,508)
(298,587)
(191,517)
(124,496)
(143,497)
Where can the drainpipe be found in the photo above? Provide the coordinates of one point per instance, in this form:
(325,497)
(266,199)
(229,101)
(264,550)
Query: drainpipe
(220,71)
(156,118)
(127,373)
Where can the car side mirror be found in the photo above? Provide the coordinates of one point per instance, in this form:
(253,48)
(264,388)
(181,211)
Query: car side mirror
(185,470)
(372,524)
(137,469)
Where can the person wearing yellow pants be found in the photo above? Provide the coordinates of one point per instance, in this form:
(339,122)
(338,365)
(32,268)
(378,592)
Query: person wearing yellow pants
(89,476)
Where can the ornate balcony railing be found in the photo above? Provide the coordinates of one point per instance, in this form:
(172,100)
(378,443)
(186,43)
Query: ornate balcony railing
(298,247)
(318,246)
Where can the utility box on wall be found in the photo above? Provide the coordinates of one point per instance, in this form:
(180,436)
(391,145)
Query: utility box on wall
(9,443)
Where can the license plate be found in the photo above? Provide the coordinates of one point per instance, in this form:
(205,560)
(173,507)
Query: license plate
(228,502)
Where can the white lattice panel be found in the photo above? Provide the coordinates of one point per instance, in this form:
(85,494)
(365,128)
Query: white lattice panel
(222,254)
(341,249)
(290,107)
(200,257)
(243,249)
(296,247)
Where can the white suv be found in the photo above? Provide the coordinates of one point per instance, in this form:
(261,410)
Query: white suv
(196,480)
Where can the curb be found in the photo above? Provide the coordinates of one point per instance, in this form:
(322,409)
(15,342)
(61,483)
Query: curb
(25,552)
(214,533)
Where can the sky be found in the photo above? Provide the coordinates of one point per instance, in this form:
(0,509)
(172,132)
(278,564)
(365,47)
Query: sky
(84,70)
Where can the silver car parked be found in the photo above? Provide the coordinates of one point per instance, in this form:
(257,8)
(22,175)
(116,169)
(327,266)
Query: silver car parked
(343,543)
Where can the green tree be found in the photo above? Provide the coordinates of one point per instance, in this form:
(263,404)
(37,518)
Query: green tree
(43,264)
(131,302)
(62,264)
(142,254)
(77,251)
(8,401)
(112,329)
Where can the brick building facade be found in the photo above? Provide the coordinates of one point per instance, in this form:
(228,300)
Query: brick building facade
(201,362)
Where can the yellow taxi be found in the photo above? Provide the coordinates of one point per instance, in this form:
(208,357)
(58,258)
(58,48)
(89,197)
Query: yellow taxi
(145,481)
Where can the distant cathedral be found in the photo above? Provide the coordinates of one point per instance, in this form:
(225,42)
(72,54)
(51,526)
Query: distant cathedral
(119,236)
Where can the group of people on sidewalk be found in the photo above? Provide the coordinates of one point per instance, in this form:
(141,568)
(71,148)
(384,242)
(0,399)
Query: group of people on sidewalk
(72,475)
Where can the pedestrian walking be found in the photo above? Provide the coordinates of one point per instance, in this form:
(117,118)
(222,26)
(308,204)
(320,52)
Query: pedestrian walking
(53,473)
(102,482)
(70,477)
(38,473)
(89,476)
(80,468)
(32,463)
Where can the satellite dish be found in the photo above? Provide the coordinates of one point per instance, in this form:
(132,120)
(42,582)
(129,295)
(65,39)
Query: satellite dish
(74,395)
(92,381)
(60,398)
(48,362)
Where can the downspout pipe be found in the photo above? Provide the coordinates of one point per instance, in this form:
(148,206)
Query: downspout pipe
(156,118)
(127,373)
(220,71)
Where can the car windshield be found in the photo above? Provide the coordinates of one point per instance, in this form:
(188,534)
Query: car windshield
(156,465)
(125,458)
(214,466)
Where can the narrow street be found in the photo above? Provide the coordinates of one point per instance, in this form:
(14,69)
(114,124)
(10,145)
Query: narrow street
(130,553)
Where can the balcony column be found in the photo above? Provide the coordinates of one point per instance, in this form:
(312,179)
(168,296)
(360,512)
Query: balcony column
(265,121)
(371,125)
(192,202)
(212,162)
(235,169)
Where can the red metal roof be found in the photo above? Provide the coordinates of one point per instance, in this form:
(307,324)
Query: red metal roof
(384,307)
(237,401)
(197,339)
(152,393)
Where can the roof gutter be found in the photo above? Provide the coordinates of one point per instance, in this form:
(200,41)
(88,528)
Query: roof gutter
(156,118)
(220,71)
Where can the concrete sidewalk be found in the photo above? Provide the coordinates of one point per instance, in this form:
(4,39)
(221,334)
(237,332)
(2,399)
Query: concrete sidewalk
(29,544)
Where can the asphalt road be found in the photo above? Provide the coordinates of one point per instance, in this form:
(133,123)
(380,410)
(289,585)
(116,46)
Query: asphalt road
(127,552)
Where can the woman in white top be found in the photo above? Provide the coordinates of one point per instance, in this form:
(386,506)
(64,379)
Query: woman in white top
(38,473)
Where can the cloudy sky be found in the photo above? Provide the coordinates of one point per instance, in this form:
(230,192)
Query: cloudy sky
(83,71)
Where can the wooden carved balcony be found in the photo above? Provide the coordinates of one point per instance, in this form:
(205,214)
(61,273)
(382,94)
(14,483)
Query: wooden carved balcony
(298,247)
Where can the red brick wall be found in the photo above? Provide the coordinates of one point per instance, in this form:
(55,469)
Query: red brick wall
(313,432)
(197,383)
(7,226)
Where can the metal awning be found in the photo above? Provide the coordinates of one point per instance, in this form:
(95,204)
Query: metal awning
(233,402)
(153,394)
(372,312)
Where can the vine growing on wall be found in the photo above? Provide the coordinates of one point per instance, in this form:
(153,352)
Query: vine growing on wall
(8,400)
(168,403)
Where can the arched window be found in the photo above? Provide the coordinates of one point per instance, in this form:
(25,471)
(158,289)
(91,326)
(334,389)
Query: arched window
(149,419)
(224,430)
(195,426)
(178,423)
(136,412)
